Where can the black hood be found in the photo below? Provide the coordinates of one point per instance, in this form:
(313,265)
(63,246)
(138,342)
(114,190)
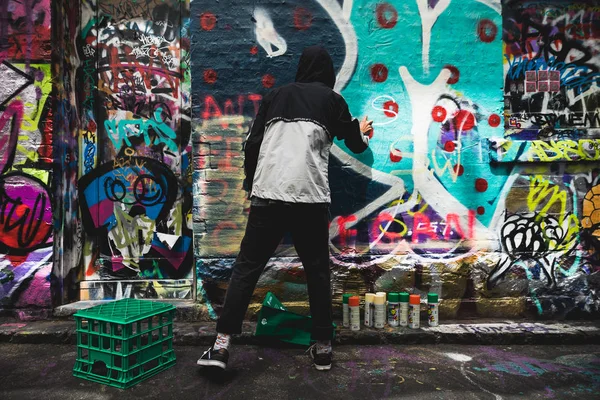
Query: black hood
(316,66)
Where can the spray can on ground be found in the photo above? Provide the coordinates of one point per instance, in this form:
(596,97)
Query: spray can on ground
(384,294)
(432,309)
(393,309)
(414,309)
(354,305)
(369,309)
(345,310)
(379,306)
(403,309)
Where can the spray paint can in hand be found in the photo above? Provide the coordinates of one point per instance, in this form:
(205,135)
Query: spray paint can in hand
(379,306)
(403,309)
(369,309)
(354,305)
(414,309)
(393,309)
(345,310)
(432,309)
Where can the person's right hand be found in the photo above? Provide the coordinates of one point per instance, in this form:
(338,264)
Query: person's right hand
(366,127)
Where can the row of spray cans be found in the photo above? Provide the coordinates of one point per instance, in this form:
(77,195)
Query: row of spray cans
(400,309)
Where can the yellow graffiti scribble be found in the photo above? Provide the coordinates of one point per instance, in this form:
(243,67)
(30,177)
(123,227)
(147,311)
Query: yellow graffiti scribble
(33,111)
(540,190)
(128,229)
(31,154)
(33,114)
(410,212)
(42,175)
(401,223)
(565,150)
(176,220)
(570,237)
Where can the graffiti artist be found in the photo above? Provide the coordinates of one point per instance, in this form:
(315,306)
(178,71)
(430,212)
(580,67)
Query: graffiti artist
(286,166)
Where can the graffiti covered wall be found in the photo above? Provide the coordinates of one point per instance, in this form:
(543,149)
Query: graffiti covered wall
(485,195)
(551,94)
(134,187)
(26,130)
(481,182)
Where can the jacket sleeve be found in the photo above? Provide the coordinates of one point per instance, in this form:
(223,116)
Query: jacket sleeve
(347,128)
(252,145)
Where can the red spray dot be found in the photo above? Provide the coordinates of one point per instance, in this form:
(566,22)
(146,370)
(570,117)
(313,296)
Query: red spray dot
(487,30)
(387,16)
(210,76)
(254,50)
(494,120)
(481,185)
(455,74)
(480,210)
(395,155)
(459,169)
(379,72)
(449,146)
(268,81)
(438,114)
(390,108)
(208,21)
(302,19)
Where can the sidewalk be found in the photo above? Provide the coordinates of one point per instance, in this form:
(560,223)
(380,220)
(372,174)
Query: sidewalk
(482,332)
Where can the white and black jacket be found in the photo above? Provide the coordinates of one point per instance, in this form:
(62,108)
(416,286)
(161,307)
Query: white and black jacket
(287,149)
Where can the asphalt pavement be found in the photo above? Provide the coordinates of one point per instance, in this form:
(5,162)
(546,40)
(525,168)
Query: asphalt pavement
(44,371)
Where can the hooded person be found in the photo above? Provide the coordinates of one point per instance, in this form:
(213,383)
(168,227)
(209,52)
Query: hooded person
(286,166)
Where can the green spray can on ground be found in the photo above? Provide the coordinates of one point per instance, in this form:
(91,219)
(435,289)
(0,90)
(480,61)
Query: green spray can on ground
(393,309)
(433,309)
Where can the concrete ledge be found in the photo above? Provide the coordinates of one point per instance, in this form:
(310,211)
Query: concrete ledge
(452,332)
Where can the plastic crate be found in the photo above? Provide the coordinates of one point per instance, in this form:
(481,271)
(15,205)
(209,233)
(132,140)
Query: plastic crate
(123,342)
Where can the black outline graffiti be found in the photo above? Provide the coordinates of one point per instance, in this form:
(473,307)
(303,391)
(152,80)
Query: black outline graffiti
(529,237)
(531,29)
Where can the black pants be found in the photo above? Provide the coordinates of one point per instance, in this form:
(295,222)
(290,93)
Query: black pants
(309,227)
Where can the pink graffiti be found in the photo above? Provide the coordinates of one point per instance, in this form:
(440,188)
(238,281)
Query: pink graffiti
(423,226)
(344,232)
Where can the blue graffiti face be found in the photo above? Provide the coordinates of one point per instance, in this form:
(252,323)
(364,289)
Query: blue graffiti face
(142,187)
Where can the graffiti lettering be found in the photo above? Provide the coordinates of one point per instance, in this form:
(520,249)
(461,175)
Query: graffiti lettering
(122,130)
(568,150)
(590,119)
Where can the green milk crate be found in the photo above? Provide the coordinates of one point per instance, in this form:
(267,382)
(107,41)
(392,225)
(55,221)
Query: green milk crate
(124,342)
